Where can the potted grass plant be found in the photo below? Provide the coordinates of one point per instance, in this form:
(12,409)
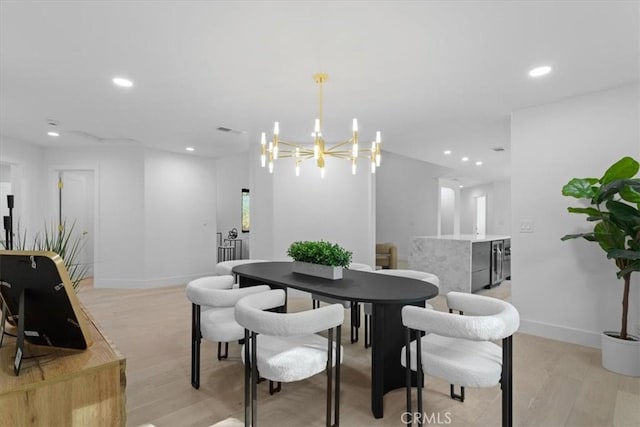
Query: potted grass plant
(62,240)
(612,210)
(319,258)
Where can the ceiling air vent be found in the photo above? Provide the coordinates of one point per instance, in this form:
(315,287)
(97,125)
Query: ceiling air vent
(498,149)
(233,131)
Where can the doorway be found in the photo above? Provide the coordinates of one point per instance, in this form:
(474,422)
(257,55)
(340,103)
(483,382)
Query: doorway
(480,218)
(75,207)
(448,207)
(447,210)
(5,190)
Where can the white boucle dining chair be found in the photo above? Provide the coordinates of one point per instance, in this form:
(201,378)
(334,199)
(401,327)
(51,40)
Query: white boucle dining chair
(212,315)
(285,347)
(224,268)
(411,274)
(354,306)
(458,347)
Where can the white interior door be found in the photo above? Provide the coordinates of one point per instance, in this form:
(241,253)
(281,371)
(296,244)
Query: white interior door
(76,205)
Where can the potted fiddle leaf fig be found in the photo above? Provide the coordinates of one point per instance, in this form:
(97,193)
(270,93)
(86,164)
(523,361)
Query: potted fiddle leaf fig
(319,258)
(613,201)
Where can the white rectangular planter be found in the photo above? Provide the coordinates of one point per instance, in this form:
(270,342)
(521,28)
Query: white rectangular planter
(317,270)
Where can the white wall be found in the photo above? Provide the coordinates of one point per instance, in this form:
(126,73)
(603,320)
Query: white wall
(155,211)
(567,290)
(179,217)
(232,175)
(407,200)
(26,177)
(500,220)
(498,207)
(338,208)
(261,235)
(119,192)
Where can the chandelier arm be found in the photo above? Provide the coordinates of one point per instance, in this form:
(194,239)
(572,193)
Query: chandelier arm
(341,152)
(341,155)
(302,148)
(290,144)
(340,144)
(360,156)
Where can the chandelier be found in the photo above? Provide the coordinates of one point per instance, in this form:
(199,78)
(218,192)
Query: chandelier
(347,149)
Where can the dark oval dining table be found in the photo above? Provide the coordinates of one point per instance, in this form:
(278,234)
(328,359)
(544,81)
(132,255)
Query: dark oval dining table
(387,294)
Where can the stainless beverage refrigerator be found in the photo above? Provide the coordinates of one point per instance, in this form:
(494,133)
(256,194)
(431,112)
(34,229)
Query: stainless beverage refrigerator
(497,262)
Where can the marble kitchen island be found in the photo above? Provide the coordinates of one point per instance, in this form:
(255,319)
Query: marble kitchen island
(462,262)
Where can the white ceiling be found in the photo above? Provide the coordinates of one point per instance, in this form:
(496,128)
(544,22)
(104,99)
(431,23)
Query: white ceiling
(430,75)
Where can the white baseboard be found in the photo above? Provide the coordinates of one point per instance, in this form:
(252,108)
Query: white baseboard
(162,282)
(560,333)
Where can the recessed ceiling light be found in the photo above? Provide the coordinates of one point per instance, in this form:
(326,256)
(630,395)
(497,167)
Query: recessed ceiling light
(190,149)
(478,163)
(122,82)
(540,71)
(447,152)
(461,186)
(52,133)
(465,159)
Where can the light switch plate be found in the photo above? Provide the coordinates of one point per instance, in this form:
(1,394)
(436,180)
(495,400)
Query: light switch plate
(527,226)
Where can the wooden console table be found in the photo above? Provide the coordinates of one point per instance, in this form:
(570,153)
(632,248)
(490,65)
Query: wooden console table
(65,387)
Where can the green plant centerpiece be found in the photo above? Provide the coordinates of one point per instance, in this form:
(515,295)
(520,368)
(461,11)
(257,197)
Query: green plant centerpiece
(310,256)
(613,202)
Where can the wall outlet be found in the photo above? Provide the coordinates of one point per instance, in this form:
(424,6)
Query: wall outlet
(527,226)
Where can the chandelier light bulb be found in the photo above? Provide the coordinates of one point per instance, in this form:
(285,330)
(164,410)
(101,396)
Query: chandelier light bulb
(353,167)
(316,127)
(263,139)
(276,128)
(322,172)
(355,125)
(297,169)
(270,167)
(378,140)
(355,150)
(275,151)
(263,160)
(373,167)
(378,159)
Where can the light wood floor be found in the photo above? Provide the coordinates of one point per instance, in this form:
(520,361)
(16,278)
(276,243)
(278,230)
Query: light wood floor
(555,384)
